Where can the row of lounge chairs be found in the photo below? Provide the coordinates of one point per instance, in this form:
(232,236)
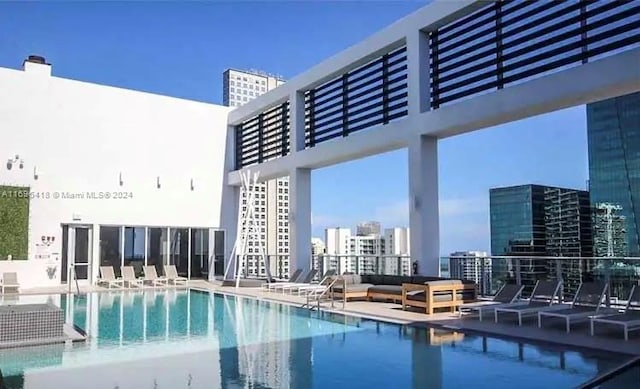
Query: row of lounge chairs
(301,285)
(108,277)
(544,303)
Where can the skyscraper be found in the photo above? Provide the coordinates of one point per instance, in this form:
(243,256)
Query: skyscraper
(272,201)
(613,131)
(534,220)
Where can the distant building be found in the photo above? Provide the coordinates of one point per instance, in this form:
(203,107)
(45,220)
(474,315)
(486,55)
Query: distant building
(397,255)
(472,265)
(532,221)
(613,132)
(317,246)
(368,254)
(368,228)
(272,200)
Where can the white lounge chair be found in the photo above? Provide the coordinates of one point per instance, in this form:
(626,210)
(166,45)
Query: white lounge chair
(129,277)
(506,296)
(108,278)
(304,282)
(172,277)
(542,298)
(150,275)
(629,319)
(323,284)
(586,303)
(294,278)
(9,281)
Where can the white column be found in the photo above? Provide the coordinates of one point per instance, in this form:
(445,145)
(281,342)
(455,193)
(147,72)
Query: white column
(300,219)
(296,107)
(423,205)
(418,72)
(230,203)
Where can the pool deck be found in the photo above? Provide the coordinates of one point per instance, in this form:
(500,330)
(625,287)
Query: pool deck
(608,339)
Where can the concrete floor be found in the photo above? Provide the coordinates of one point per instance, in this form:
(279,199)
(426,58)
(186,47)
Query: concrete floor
(610,340)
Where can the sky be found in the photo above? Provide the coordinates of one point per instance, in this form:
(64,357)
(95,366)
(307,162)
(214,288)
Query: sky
(182,48)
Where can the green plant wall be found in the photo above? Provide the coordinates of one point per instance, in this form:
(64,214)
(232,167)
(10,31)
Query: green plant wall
(14,222)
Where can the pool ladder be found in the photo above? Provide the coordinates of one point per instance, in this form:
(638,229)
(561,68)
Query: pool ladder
(314,299)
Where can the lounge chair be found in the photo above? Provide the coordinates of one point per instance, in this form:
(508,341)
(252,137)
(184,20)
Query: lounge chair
(108,277)
(172,277)
(304,282)
(129,277)
(586,303)
(9,281)
(322,285)
(505,297)
(629,319)
(542,298)
(295,277)
(150,275)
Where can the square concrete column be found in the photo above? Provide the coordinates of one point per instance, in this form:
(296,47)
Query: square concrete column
(230,204)
(300,219)
(423,205)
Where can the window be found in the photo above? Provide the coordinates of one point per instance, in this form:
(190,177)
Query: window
(231,82)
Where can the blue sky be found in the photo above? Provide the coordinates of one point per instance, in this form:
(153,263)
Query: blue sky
(181,49)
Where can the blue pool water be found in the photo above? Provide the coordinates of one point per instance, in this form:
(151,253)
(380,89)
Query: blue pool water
(194,339)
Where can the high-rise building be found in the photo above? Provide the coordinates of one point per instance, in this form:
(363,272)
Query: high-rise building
(613,133)
(533,220)
(396,251)
(272,201)
(368,254)
(472,265)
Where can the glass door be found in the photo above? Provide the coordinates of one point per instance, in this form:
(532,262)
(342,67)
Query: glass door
(78,251)
(218,253)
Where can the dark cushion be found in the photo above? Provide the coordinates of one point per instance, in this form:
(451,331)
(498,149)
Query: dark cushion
(422,279)
(375,279)
(386,289)
(352,287)
(395,280)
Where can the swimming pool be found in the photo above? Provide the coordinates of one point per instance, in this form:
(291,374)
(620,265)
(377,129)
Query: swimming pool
(195,339)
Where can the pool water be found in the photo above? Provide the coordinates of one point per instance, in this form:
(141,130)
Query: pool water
(195,339)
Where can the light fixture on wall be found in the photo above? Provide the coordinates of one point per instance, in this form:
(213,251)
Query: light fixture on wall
(120,179)
(191,185)
(35,173)
(158,182)
(15,161)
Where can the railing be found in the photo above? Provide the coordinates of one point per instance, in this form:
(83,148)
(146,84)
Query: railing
(363,264)
(491,272)
(488,272)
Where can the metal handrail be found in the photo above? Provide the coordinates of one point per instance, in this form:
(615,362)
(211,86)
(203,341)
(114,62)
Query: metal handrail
(608,375)
(318,297)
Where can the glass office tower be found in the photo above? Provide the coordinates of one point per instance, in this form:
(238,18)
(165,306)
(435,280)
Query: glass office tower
(613,129)
(531,221)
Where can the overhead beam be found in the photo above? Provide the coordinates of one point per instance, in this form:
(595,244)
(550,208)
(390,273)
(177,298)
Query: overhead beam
(571,87)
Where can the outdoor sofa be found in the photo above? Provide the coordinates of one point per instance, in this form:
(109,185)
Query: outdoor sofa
(389,287)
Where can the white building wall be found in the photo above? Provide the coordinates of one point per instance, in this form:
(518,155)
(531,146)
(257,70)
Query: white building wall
(80,137)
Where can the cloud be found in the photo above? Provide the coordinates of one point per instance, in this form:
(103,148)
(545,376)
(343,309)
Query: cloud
(464,206)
